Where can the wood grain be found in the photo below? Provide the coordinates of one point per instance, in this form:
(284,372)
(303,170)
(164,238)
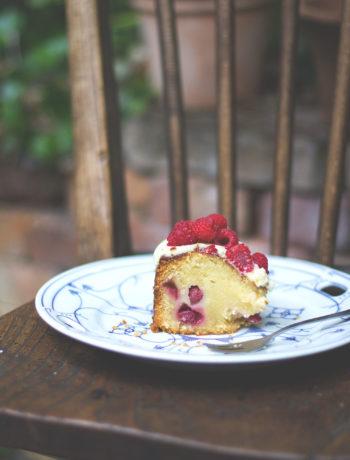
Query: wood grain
(226,111)
(64,398)
(285,122)
(100,201)
(173,113)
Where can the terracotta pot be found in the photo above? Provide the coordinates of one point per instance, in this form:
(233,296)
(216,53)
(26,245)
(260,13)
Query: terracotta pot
(39,187)
(196,37)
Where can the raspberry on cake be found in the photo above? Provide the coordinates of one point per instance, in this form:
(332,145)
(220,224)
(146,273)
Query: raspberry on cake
(207,281)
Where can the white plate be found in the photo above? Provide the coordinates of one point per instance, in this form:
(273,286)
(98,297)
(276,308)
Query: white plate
(108,304)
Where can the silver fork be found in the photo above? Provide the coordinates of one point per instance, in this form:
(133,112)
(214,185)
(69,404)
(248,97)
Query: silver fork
(256,344)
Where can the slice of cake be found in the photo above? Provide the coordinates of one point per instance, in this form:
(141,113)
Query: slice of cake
(207,281)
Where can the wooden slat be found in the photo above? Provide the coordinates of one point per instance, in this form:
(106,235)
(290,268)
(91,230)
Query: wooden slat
(100,205)
(280,213)
(226,114)
(329,215)
(173,110)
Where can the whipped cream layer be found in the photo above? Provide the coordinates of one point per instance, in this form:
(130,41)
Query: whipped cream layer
(258,275)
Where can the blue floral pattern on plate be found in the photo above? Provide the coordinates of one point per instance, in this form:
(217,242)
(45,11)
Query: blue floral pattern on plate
(108,304)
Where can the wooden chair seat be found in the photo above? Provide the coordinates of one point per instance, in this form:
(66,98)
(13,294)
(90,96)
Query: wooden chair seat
(60,397)
(70,400)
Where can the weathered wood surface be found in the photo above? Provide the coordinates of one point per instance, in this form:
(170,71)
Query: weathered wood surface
(226,111)
(100,202)
(173,113)
(64,398)
(285,123)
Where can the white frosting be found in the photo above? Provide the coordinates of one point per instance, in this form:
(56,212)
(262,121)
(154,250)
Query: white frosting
(258,275)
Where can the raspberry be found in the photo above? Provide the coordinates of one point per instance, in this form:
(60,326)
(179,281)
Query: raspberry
(171,289)
(219,220)
(186,315)
(255,318)
(195,294)
(182,234)
(211,249)
(226,237)
(261,260)
(205,229)
(240,257)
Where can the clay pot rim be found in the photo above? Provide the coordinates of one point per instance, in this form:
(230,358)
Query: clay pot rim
(197,7)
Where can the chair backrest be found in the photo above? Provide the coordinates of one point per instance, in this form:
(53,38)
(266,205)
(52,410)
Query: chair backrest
(101,208)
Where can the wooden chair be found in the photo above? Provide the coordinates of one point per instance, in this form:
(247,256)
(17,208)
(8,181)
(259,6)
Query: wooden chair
(60,397)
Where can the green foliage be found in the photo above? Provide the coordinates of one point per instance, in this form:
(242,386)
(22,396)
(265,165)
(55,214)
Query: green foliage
(35,122)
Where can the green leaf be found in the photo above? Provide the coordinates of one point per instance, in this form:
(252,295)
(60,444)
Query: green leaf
(41,147)
(12,90)
(11,22)
(37,4)
(49,54)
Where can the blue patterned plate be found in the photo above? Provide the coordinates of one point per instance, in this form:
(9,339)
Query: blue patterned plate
(108,304)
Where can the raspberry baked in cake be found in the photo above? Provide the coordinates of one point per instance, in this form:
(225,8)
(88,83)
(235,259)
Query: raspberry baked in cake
(207,281)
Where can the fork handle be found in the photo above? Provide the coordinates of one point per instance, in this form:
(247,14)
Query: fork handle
(311,320)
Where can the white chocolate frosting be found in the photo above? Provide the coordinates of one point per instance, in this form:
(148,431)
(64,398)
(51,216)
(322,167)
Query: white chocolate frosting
(258,275)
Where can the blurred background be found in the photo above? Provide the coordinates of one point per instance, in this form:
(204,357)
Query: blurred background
(36,155)
(36,205)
